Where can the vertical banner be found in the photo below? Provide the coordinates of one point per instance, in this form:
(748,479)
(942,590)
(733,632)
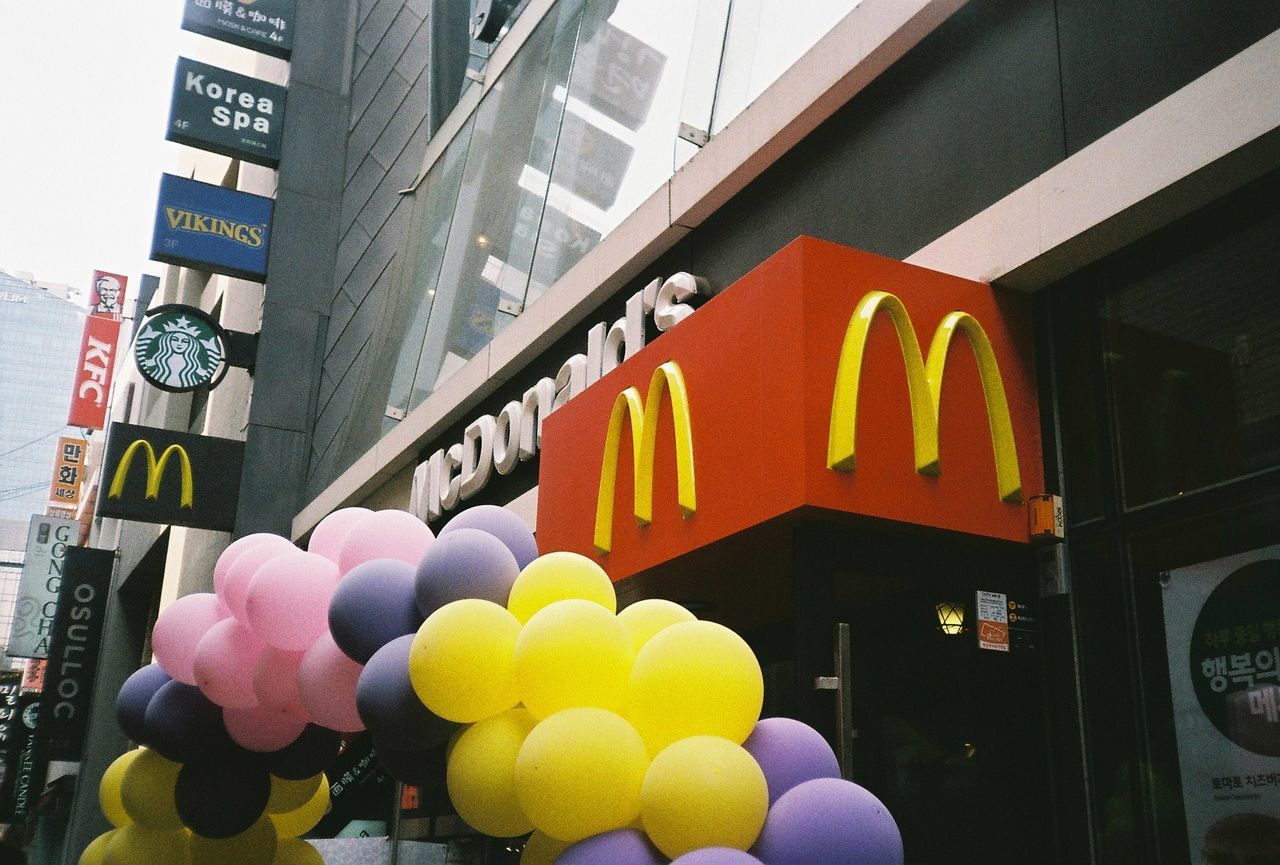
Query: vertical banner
(73,652)
(1222,628)
(47,542)
(93,372)
(68,472)
(10,684)
(107,295)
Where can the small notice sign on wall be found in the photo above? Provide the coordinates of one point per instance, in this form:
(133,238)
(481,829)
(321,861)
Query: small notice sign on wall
(993,621)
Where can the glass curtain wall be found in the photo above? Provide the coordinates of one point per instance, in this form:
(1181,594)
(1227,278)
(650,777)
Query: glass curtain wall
(592,116)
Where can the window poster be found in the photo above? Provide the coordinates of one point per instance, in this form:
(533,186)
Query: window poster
(1222,627)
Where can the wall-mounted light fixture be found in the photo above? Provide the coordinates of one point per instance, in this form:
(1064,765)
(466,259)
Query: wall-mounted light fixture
(950,617)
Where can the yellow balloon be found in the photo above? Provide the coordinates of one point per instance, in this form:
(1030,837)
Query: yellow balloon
(542,849)
(141,845)
(703,791)
(295,851)
(481,774)
(461,661)
(695,679)
(645,618)
(299,821)
(254,846)
(95,853)
(573,653)
(290,795)
(558,577)
(147,790)
(109,789)
(579,773)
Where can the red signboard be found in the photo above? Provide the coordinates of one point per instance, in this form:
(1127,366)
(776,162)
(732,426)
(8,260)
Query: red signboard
(107,295)
(750,409)
(94,371)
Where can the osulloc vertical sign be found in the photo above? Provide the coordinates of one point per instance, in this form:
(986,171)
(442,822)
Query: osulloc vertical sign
(228,113)
(73,652)
(259,25)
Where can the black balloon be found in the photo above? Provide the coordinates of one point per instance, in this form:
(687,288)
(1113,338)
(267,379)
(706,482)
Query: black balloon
(310,753)
(418,768)
(135,694)
(183,725)
(389,706)
(375,603)
(221,796)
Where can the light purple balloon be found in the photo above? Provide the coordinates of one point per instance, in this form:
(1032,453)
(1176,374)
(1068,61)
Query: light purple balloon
(235,587)
(373,605)
(619,847)
(465,563)
(717,856)
(789,753)
(327,684)
(224,662)
(328,535)
(235,550)
(178,630)
(503,525)
(831,821)
(388,534)
(287,602)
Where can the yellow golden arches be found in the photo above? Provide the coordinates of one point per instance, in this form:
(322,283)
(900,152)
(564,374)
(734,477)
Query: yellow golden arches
(155,471)
(924,386)
(668,381)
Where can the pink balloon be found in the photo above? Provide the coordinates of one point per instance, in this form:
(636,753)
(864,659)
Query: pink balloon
(263,729)
(287,604)
(386,534)
(225,658)
(275,680)
(235,588)
(178,630)
(327,682)
(329,533)
(235,550)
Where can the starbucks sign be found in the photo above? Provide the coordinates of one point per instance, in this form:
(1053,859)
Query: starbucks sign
(181,348)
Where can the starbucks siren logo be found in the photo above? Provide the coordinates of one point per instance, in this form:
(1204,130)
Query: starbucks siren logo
(179,352)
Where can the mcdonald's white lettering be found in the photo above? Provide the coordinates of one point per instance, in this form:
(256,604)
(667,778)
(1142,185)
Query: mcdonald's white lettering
(459,472)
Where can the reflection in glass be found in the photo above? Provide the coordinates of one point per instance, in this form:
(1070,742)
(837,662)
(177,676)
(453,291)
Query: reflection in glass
(765,38)
(621,114)
(490,244)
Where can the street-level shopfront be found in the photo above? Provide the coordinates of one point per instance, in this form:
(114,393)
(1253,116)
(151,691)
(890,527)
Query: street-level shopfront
(802,463)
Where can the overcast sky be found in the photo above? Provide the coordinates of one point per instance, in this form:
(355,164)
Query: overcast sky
(84,99)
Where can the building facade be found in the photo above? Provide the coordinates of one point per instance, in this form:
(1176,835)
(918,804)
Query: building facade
(445,278)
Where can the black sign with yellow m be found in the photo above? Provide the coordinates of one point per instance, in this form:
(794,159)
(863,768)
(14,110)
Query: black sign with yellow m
(162,476)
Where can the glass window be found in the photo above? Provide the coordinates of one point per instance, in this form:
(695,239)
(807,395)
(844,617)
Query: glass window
(1192,357)
(487,256)
(621,113)
(764,39)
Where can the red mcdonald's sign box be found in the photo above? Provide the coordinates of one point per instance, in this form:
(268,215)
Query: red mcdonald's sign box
(825,379)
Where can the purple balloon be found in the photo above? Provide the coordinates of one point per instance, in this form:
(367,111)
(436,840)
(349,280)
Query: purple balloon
(389,706)
(831,821)
(717,856)
(135,694)
(790,753)
(503,525)
(465,563)
(418,768)
(221,796)
(182,724)
(619,847)
(310,753)
(375,603)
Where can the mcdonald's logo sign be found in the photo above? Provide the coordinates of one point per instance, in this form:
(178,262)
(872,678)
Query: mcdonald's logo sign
(667,381)
(162,476)
(155,472)
(822,407)
(924,388)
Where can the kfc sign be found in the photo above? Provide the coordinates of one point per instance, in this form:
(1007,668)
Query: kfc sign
(93,372)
